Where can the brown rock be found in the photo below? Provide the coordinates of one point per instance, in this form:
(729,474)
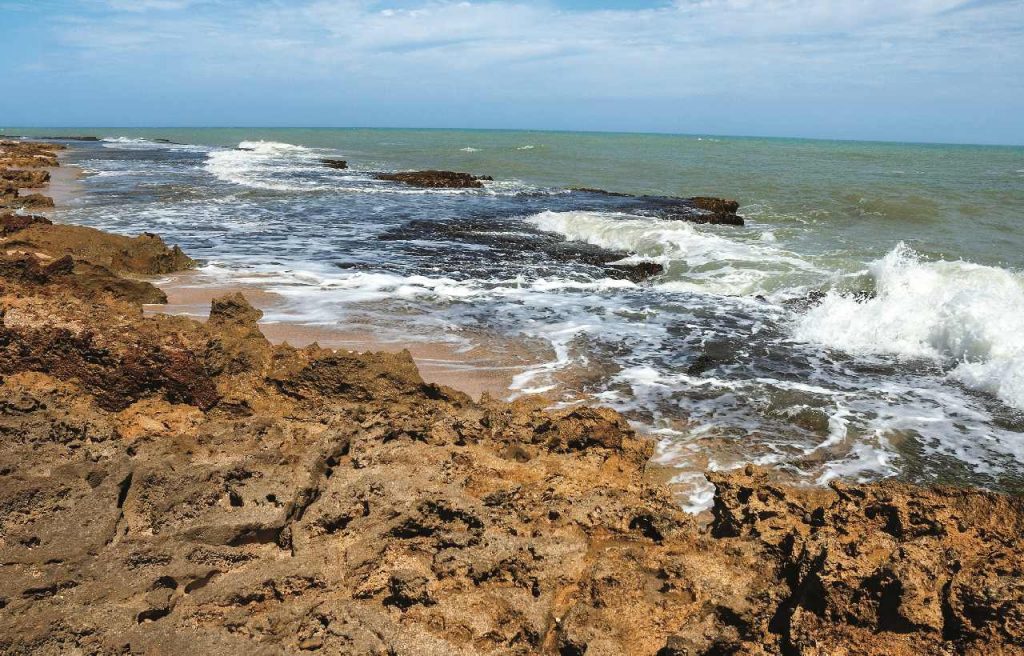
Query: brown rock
(25,179)
(145,254)
(11,223)
(436,179)
(636,272)
(334,163)
(715,205)
(29,202)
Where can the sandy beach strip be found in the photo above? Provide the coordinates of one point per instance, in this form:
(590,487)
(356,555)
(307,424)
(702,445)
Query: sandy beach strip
(476,371)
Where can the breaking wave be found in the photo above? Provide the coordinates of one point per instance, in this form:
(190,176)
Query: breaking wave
(702,260)
(965,315)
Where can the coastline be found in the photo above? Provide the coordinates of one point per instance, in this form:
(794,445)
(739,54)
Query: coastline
(174,485)
(476,371)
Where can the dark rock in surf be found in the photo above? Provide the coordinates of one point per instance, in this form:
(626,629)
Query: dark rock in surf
(715,211)
(715,205)
(74,138)
(698,209)
(635,272)
(334,163)
(436,179)
(715,353)
(601,192)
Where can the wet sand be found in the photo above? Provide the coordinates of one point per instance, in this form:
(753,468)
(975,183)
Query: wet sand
(476,371)
(64,185)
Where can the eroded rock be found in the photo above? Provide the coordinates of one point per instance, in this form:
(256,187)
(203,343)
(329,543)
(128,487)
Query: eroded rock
(436,179)
(171,486)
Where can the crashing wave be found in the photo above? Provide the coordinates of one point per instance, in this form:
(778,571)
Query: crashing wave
(965,315)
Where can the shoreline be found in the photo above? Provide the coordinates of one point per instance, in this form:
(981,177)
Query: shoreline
(172,485)
(475,371)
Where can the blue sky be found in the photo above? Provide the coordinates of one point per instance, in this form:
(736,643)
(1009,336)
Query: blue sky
(913,70)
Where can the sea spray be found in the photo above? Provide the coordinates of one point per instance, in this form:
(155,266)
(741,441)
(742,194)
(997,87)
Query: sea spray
(965,315)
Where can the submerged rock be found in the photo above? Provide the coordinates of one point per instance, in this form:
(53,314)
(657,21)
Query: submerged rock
(436,179)
(698,209)
(636,272)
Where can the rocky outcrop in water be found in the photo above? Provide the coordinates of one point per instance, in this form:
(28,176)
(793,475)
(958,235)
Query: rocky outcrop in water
(436,179)
(636,271)
(170,486)
(334,163)
(507,238)
(698,209)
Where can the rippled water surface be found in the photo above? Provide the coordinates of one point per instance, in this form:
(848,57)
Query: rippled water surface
(867,321)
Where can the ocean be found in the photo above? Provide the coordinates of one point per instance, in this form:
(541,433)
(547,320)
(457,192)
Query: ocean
(866,322)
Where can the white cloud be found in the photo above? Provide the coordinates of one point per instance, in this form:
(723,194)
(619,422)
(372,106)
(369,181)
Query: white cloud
(923,51)
(149,5)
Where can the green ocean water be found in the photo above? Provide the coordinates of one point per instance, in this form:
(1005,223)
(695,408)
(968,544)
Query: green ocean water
(948,201)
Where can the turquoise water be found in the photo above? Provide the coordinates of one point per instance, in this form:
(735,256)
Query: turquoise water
(865,322)
(946,200)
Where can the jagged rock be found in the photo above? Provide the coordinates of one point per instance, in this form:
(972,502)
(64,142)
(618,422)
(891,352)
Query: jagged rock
(436,179)
(11,223)
(25,179)
(28,202)
(145,254)
(171,486)
(715,205)
(28,154)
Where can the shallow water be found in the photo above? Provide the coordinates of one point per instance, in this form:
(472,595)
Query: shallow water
(866,322)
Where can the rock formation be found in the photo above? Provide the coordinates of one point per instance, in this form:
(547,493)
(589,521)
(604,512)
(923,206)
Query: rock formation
(20,162)
(436,179)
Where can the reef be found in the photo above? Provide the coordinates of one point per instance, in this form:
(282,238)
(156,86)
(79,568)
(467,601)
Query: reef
(436,179)
(175,486)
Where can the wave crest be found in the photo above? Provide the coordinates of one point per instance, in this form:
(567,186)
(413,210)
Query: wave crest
(966,315)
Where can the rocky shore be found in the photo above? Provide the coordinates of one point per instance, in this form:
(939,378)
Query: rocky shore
(172,486)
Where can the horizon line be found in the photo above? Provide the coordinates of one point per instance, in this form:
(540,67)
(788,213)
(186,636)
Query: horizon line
(89,128)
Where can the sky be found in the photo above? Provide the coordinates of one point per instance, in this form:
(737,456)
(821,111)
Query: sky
(903,70)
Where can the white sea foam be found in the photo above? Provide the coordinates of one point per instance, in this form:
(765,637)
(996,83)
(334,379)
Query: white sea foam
(138,143)
(266,165)
(470,149)
(967,315)
(526,147)
(713,263)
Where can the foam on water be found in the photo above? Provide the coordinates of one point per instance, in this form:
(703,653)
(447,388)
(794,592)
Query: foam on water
(703,260)
(130,143)
(267,165)
(966,315)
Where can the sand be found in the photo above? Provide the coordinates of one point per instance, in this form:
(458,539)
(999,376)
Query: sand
(485,369)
